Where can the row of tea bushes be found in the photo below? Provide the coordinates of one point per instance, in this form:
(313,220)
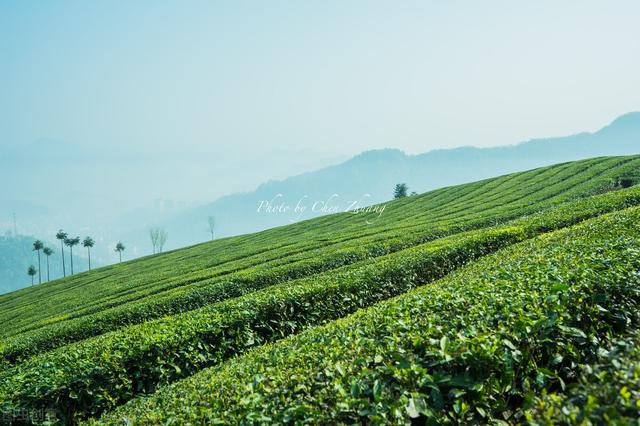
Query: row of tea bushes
(477,347)
(452,209)
(56,335)
(87,377)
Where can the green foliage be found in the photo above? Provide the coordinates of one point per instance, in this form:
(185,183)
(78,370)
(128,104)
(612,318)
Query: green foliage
(240,283)
(86,377)
(400,191)
(72,242)
(477,347)
(88,242)
(31,270)
(178,346)
(153,287)
(605,391)
(119,249)
(38,245)
(124,330)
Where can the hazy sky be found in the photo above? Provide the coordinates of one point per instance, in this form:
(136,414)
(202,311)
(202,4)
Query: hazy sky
(333,77)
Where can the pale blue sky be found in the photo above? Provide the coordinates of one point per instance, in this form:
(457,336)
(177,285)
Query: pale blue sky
(331,77)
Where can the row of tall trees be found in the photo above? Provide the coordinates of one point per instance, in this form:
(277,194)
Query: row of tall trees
(158,239)
(70,242)
(38,246)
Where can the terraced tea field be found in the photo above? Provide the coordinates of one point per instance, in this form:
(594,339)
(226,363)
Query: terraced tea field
(479,303)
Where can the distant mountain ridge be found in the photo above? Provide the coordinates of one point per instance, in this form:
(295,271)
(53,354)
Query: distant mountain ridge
(370,176)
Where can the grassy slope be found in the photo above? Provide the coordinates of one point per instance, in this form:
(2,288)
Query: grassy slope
(183,282)
(323,243)
(477,347)
(110,302)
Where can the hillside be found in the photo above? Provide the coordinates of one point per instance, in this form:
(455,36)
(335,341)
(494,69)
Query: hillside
(492,344)
(293,323)
(370,177)
(90,206)
(16,254)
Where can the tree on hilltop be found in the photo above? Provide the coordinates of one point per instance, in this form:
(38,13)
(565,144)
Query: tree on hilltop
(400,191)
(211,221)
(31,271)
(162,238)
(120,248)
(153,234)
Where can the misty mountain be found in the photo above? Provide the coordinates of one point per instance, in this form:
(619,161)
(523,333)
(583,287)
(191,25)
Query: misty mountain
(111,190)
(369,178)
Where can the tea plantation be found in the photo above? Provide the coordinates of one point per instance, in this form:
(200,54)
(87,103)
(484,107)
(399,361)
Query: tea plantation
(501,301)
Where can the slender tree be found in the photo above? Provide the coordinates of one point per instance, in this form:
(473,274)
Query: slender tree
(154,234)
(211,221)
(120,248)
(162,238)
(400,191)
(61,235)
(48,252)
(32,272)
(88,243)
(70,242)
(37,246)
